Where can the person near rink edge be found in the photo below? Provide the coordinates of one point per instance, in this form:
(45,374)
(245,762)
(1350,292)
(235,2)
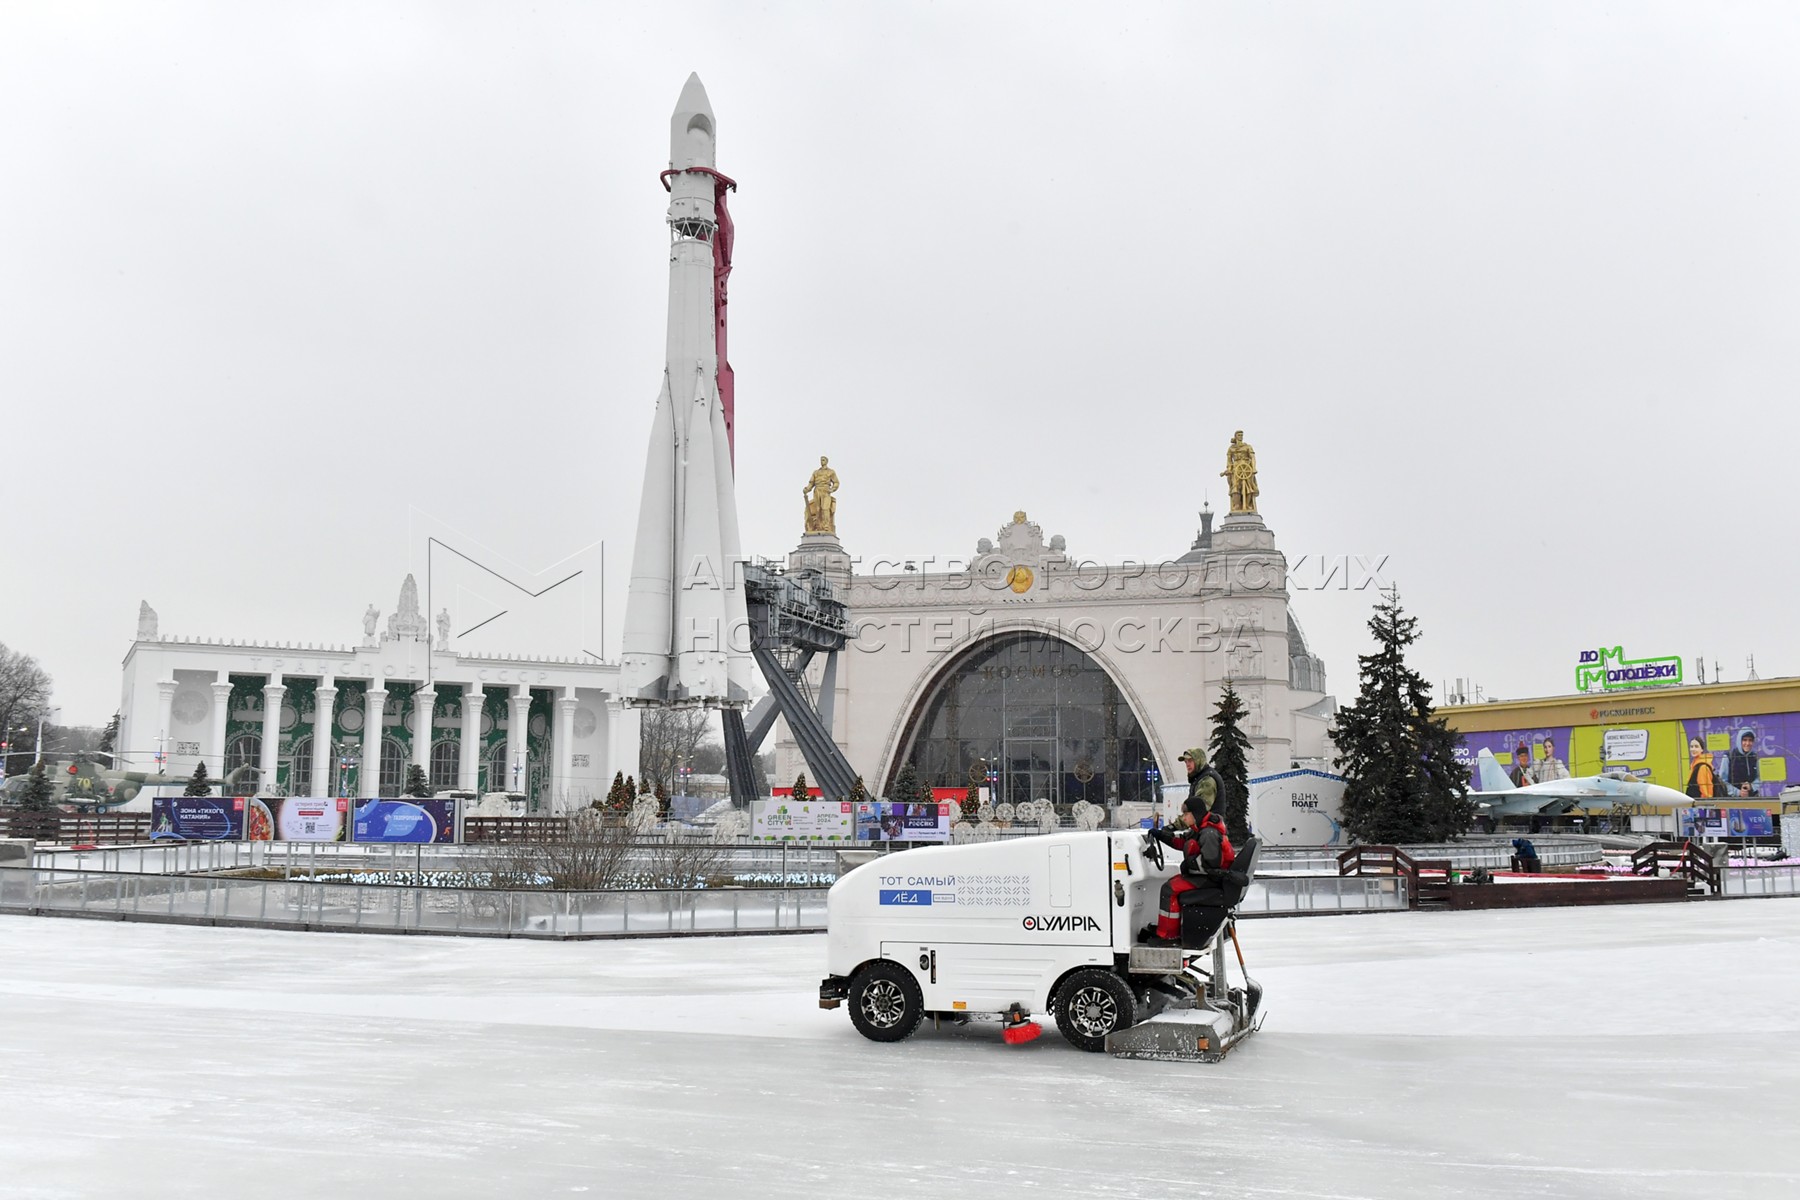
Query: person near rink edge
(1206,854)
(1525,857)
(1700,783)
(1741,765)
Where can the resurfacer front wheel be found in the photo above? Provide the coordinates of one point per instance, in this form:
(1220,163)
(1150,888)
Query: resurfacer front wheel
(1091,1004)
(885,1004)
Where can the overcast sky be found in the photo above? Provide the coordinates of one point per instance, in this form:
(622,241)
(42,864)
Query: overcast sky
(1505,293)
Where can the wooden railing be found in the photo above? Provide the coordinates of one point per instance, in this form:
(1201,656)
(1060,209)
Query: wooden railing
(1689,860)
(71,829)
(1426,879)
(514,829)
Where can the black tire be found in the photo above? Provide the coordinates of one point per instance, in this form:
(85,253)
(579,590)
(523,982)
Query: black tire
(885,1003)
(1092,1003)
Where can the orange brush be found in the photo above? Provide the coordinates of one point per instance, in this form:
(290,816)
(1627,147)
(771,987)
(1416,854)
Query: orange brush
(1020,1028)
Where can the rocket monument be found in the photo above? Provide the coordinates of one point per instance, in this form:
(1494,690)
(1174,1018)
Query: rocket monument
(686,637)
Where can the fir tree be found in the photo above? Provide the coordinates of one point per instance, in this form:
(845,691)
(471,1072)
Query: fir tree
(109,736)
(801,791)
(1402,781)
(971,803)
(858,793)
(907,787)
(416,783)
(38,792)
(616,795)
(631,791)
(198,783)
(1228,753)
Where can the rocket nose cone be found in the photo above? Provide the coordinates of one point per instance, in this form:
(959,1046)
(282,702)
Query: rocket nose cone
(693,97)
(691,127)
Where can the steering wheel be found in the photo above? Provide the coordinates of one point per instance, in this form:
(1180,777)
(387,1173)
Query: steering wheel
(1153,850)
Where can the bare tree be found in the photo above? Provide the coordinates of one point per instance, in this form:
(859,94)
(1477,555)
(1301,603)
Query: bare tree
(24,696)
(684,860)
(592,853)
(669,737)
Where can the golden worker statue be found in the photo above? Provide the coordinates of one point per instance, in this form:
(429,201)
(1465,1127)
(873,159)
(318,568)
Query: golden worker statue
(1240,474)
(821,505)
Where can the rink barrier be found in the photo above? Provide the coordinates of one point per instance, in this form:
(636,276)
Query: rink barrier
(779,860)
(1741,882)
(480,912)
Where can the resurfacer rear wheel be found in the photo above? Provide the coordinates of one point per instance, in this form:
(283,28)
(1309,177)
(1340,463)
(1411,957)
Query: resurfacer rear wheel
(1091,1004)
(885,1004)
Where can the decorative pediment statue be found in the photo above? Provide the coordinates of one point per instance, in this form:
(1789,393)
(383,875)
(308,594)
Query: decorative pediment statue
(146,622)
(408,621)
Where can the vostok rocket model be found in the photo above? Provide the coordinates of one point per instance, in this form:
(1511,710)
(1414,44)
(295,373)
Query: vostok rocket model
(686,633)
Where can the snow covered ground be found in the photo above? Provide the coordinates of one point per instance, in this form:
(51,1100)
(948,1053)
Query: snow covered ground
(1609,1052)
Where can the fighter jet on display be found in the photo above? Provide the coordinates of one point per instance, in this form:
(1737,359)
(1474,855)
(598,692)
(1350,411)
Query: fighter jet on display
(1499,796)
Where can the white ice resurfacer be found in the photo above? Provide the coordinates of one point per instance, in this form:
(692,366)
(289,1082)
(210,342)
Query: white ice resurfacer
(1005,930)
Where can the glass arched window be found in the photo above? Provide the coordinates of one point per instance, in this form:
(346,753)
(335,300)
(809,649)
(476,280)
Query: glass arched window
(393,767)
(300,773)
(445,765)
(241,759)
(1033,718)
(499,775)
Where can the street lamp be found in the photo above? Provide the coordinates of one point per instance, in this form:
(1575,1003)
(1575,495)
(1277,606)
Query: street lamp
(345,764)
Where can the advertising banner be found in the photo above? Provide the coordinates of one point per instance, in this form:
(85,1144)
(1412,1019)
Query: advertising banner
(883,821)
(790,820)
(1297,808)
(1713,824)
(1748,755)
(297,819)
(409,819)
(197,818)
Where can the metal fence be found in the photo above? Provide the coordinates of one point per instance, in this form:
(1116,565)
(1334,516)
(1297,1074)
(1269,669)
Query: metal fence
(1760,881)
(778,860)
(303,904)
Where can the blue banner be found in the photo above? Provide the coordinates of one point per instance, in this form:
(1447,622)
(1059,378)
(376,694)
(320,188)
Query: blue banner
(197,818)
(405,820)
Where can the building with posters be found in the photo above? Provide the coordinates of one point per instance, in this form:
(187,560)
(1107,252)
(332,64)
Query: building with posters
(1649,732)
(1041,675)
(286,718)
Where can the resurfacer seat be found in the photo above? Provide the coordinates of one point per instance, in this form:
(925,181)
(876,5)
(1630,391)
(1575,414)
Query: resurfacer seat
(1205,908)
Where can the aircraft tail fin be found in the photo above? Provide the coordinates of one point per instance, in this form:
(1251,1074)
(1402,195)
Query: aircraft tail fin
(1489,776)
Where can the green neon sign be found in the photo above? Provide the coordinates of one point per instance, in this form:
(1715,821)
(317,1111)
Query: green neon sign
(1611,671)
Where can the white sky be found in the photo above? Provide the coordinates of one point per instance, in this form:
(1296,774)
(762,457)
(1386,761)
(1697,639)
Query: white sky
(1507,293)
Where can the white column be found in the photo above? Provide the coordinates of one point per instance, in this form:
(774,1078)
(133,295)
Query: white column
(215,751)
(562,751)
(369,781)
(518,753)
(424,709)
(324,760)
(165,714)
(469,777)
(271,734)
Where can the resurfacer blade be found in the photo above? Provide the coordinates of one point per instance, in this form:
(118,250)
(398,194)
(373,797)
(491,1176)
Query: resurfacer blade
(1193,1035)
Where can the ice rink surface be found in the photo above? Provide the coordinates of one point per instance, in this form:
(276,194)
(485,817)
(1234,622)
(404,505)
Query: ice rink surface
(1628,1052)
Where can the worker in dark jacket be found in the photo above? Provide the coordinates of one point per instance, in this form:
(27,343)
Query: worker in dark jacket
(1203,782)
(1525,857)
(1206,854)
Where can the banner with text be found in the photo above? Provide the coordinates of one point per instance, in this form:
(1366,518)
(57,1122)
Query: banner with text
(197,818)
(790,820)
(407,820)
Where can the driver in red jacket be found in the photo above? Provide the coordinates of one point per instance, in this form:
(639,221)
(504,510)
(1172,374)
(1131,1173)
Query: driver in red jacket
(1206,855)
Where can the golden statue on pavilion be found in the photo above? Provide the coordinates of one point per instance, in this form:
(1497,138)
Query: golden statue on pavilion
(821,504)
(1240,474)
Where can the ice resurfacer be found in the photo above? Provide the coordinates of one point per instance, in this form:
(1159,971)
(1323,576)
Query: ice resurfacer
(1005,930)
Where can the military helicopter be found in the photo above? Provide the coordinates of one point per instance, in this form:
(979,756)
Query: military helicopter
(86,784)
